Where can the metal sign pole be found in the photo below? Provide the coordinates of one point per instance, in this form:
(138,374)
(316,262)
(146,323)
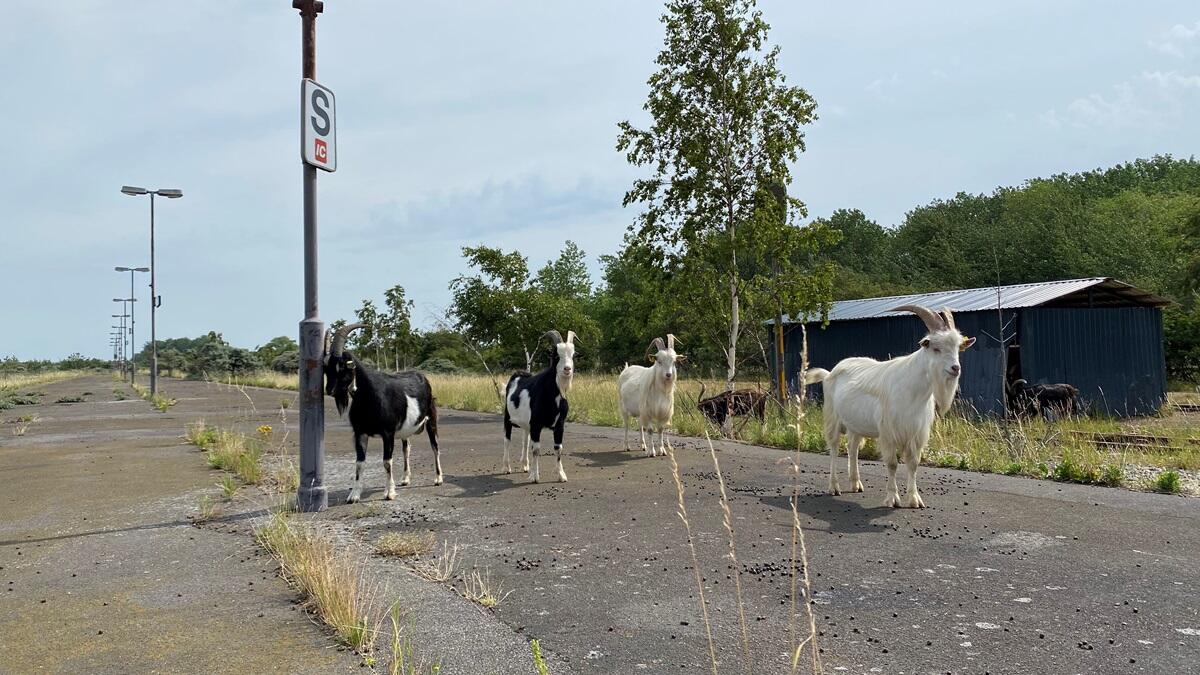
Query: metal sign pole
(311,495)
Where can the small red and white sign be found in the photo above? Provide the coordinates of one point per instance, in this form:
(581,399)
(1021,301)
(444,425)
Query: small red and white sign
(318,129)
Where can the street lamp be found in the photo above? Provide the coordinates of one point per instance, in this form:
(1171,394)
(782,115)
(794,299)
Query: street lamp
(126,311)
(155,301)
(132,338)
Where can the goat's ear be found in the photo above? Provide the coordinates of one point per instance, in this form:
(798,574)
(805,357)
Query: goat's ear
(966,344)
(351,364)
(924,342)
(651,358)
(680,358)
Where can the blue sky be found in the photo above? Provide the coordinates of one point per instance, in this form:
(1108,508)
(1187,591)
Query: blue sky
(484,122)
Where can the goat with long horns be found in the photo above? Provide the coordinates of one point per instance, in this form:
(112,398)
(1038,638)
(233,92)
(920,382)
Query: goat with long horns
(648,393)
(385,405)
(894,401)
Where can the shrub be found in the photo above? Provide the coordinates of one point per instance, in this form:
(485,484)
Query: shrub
(1168,481)
(438,364)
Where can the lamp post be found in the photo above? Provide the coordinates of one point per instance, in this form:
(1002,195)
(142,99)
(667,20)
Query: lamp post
(118,339)
(155,301)
(125,309)
(132,335)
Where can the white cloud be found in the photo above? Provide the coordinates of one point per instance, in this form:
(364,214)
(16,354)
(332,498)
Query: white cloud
(1179,40)
(1172,79)
(1121,109)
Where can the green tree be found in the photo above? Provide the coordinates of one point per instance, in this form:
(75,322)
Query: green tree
(365,341)
(274,348)
(395,326)
(725,126)
(501,308)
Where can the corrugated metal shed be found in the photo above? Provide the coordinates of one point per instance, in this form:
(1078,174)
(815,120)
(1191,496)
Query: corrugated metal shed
(1101,335)
(1092,292)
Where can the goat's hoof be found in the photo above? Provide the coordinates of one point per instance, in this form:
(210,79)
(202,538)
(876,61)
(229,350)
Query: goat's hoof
(404,482)
(835,490)
(858,486)
(892,501)
(438,481)
(562,477)
(352,499)
(389,496)
(915,501)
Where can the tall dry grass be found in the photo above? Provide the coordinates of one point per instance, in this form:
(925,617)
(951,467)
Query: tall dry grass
(335,588)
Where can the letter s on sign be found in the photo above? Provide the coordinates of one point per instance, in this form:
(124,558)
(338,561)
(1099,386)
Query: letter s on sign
(319,104)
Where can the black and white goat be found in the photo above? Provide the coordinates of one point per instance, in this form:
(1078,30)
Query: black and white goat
(538,402)
(385,405)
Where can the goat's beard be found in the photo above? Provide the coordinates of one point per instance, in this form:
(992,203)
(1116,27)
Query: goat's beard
(564,382)
(341,397)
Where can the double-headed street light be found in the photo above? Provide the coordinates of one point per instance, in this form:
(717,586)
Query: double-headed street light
(132,337)
(155,301)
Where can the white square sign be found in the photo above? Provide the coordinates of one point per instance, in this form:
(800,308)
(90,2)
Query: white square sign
(318,130)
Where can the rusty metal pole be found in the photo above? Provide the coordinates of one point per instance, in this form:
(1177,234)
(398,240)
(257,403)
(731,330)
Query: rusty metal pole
(311,494)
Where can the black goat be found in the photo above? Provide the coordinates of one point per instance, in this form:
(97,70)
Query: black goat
(537,402)
(1044,399)
(385,405)
(732,403)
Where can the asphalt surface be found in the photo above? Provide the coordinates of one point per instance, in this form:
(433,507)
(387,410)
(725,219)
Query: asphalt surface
(1000,574)
(102,571)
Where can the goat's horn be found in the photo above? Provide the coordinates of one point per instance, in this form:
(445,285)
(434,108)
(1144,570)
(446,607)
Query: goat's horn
(949,317)
(932,321)
(656,345)
(570,337)
(554,336)
(339,338)
(671,341)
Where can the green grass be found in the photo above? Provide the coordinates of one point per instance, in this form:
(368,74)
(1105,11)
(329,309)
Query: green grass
(73,398)
(539,663)
(1168,482)
(160,402)
(229,450)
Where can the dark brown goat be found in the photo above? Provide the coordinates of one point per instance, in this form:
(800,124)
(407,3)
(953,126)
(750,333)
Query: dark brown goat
(736,403)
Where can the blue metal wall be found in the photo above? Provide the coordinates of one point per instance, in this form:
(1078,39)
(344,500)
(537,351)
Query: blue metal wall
(882,338)
(1113,355)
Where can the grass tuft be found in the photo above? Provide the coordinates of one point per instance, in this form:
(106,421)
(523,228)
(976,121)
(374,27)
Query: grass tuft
(229,451)
(442,568)
(405,544)
(480,589)
(1168,482)
(334,588)
(539,662)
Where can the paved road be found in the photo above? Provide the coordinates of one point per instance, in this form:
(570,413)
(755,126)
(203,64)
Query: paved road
(999,575)
(102,571)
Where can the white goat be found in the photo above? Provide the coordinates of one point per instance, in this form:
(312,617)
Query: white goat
(893,401)
(649,393)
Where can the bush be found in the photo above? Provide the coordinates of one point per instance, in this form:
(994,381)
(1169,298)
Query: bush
(287,362)
(1168,481)
(438,364)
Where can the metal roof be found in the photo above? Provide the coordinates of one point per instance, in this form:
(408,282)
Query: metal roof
(982,299)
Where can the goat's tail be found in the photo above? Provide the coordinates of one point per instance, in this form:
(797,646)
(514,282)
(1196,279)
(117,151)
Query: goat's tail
(431,423)
(815,375)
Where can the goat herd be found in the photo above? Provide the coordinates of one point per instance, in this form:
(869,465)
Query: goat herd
(894,402)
